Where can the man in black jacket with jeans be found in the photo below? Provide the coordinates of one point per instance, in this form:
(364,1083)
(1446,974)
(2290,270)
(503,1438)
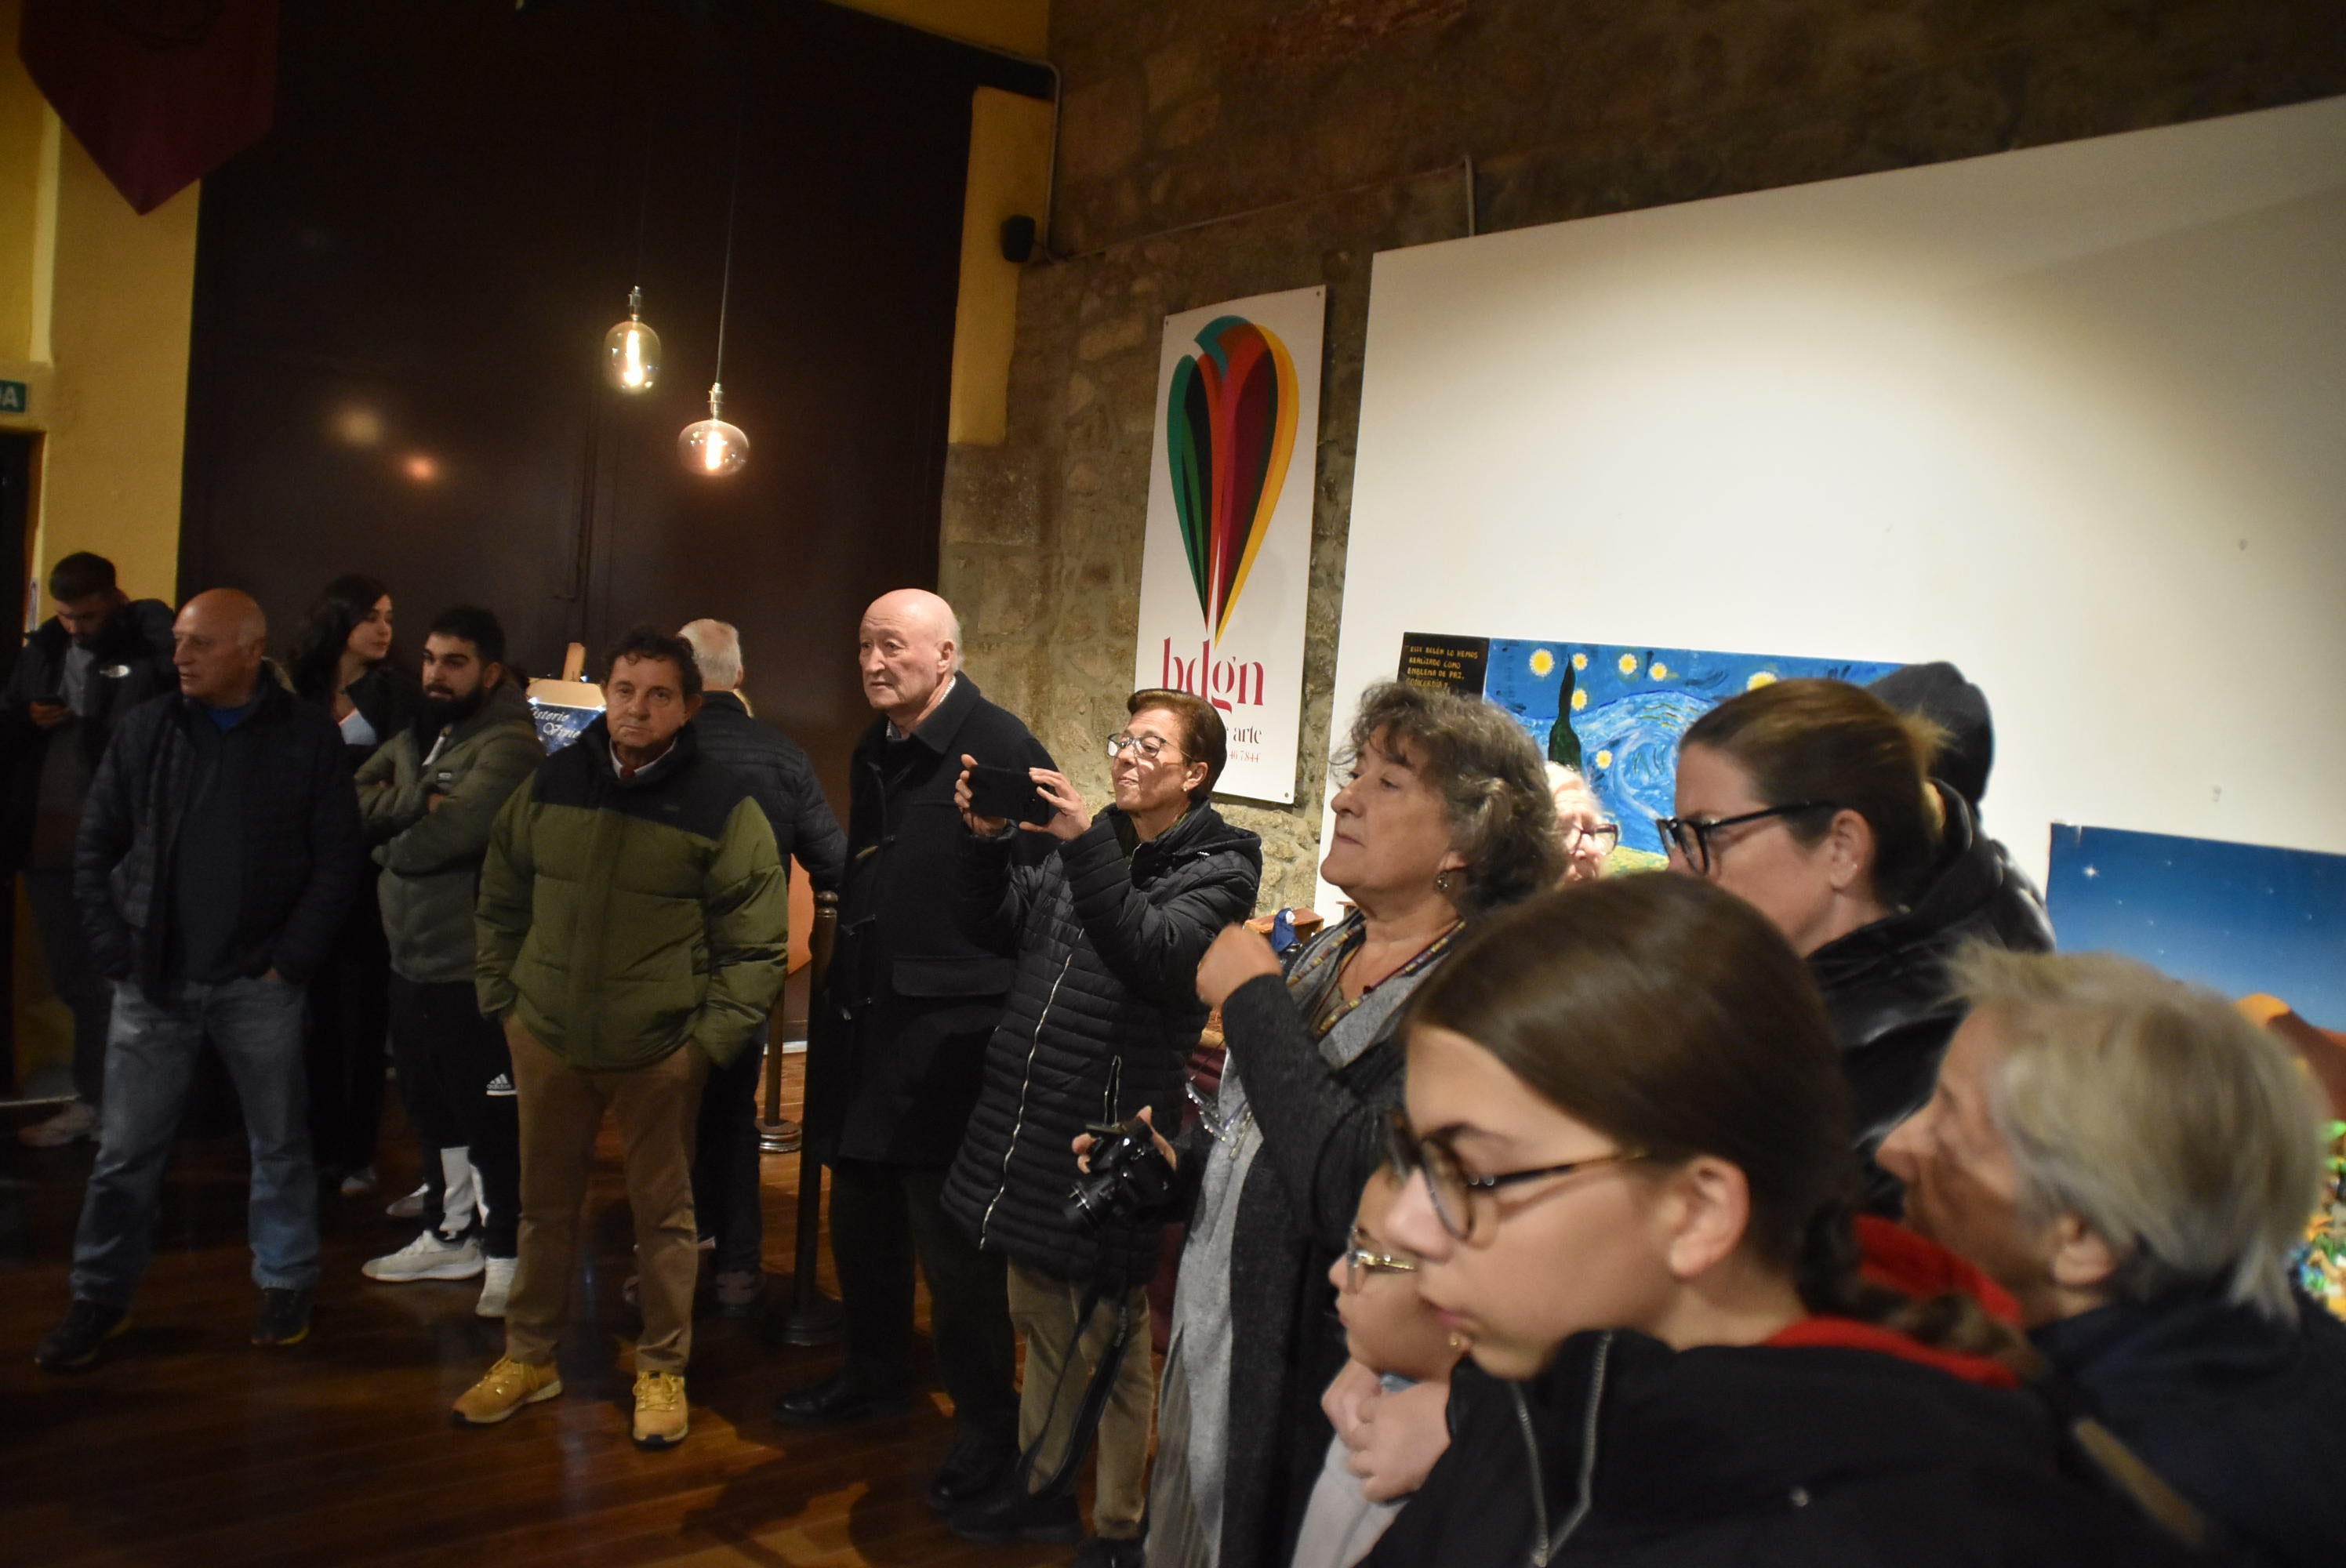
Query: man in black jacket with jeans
(782,781)
(219,849)
(96,658)
(898,1048)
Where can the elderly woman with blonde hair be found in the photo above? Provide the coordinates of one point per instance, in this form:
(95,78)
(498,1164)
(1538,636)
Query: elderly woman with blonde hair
(2135,1162)
(1588,833)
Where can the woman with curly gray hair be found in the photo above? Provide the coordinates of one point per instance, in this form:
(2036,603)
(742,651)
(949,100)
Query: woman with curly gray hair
(1444,815)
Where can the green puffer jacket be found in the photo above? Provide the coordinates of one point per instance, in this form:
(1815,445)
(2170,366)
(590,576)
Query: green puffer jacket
(618,920)
(431,858)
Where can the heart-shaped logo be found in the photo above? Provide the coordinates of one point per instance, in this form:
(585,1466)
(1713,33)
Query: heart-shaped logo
(1229,430)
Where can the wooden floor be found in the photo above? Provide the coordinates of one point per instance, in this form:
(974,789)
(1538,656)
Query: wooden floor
(188,1446)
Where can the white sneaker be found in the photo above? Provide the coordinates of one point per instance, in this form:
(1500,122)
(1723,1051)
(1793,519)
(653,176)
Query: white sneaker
(426,1258)
(77,1121)
(408,1208)
(360,1182)
(496,1284)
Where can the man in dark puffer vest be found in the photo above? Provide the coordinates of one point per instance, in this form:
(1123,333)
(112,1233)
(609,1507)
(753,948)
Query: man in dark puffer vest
(632,924)
(1108,931)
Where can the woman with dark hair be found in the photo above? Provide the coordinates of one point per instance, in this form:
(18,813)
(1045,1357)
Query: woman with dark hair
(1814,801)
(1629,1196)
(1445,816)
(341,659)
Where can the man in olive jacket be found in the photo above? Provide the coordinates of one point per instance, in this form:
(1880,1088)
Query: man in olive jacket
(631,926)
(430,796)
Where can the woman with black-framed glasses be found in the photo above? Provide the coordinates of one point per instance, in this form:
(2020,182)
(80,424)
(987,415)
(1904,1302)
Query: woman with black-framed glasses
(1628,1194)
(1816,802)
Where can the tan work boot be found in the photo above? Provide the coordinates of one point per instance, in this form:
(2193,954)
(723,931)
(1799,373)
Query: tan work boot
(509,1385)
(661,1419)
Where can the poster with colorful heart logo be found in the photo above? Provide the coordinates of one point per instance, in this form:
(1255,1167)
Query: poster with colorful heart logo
(1226,568)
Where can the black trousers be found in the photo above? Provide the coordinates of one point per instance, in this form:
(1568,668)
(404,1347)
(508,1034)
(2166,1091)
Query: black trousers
(881,1215)
(725,1154)
(455,1077)
(343,1049)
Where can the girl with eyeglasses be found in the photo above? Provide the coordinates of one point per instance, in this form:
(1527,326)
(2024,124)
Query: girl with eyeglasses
(1387,1403)
(1815,801)
(1628,1195)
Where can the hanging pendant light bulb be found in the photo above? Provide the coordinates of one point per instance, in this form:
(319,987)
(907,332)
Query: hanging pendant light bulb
(710,446)
(631,350)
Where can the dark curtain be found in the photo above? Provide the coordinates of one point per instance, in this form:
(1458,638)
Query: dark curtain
(401,295)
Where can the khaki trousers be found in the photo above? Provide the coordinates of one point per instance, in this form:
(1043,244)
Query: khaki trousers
(562,1109)
(1044,1308)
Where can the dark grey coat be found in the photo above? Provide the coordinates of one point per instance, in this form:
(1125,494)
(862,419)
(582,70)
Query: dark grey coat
(783,783)
(1322,1135)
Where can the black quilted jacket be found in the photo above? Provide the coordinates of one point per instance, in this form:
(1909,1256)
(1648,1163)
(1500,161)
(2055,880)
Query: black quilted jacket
(782,782)
(1104,1010)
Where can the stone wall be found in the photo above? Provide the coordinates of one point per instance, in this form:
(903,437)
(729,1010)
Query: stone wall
(1216,148)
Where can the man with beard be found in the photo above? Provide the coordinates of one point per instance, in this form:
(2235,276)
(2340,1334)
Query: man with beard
(100,656)
(430,796)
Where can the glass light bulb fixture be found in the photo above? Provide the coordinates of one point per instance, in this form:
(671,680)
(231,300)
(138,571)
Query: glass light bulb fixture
(631,350)
(710,446)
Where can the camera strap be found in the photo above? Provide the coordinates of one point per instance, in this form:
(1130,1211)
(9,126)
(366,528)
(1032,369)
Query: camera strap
(1061,1480)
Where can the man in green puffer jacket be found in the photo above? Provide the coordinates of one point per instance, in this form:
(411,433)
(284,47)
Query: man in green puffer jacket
(430,796)
(631,930)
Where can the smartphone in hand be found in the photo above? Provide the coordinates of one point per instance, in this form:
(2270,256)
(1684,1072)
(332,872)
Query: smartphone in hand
(1008,792)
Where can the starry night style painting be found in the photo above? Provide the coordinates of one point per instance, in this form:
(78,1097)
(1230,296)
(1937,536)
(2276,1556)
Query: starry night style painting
(2241,917)
(1627,708)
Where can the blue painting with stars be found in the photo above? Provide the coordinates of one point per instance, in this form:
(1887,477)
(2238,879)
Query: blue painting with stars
(1626,709)
(2241,918)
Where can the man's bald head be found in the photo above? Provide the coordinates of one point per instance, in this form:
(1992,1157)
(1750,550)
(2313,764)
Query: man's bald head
(219,642)
(908,647)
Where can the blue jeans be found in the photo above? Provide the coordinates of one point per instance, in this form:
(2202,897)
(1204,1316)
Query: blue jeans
(150,1061)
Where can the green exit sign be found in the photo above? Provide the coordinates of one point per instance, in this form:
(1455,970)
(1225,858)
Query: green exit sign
(13,398)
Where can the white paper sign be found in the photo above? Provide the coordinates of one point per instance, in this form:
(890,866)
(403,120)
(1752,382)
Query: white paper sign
(1226,570)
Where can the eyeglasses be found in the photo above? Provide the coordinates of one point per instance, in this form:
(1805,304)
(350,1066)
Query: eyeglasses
(1448,1185)
(1363,1260)
(1691,835)
(1606,836)
(1153,748)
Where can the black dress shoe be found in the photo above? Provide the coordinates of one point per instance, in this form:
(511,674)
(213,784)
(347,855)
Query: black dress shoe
(977,1468)
(1011,1513)
(840,1400)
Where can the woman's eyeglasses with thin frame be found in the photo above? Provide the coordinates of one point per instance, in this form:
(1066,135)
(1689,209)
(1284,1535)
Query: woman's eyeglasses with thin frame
(1153,748)
(1364,1259)
(1447,1184)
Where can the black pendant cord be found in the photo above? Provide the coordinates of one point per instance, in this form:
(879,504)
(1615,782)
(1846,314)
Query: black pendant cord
(643,200)
(732,212)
